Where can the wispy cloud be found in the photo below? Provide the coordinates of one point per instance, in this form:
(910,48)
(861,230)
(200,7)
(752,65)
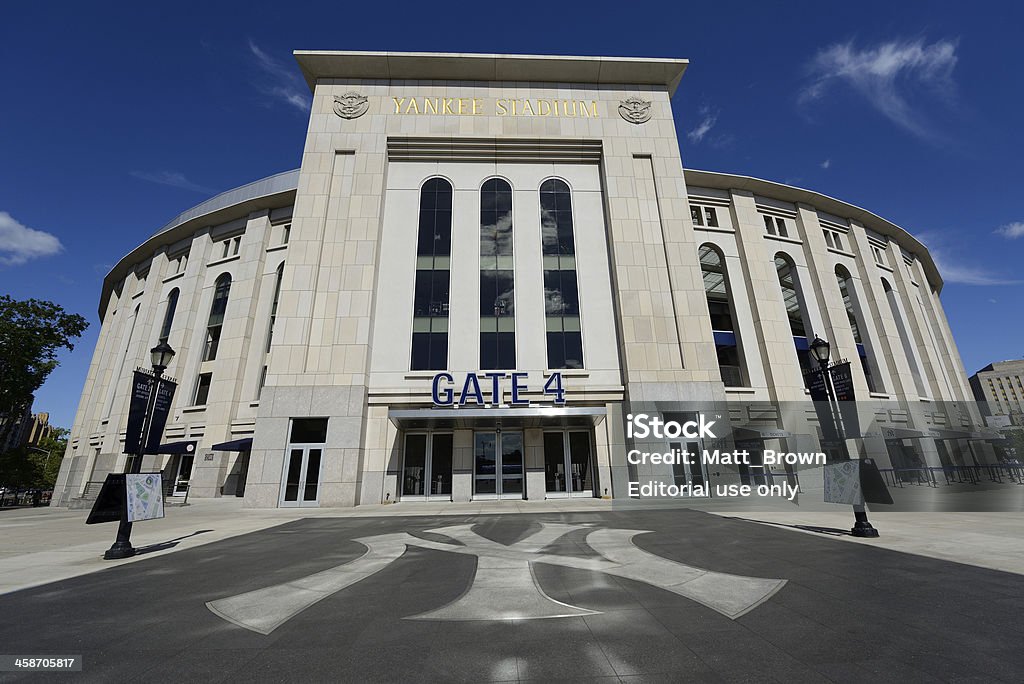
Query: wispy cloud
(173,179)
(954,269)
(827,164)
(19,243)
(708,119)
(889,76)
(1011,231)
(279,81)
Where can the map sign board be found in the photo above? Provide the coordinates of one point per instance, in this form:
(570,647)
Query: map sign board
(109,503)
(842,483)
(144,496)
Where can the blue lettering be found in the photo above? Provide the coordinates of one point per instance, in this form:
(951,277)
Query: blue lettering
(445,397)
(495,387)
(517,388)
(471,379)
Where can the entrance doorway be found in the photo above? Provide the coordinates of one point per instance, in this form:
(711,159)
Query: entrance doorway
(302,482)
(498,465)
(184,474)
(568,466)
(427,466)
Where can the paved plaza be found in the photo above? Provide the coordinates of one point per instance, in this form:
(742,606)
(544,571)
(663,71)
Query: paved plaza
(642,595)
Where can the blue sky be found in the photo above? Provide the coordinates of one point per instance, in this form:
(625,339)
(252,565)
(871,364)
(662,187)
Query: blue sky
(116,116)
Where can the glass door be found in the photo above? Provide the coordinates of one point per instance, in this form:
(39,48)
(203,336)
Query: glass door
(568,468)
(427,467)
(185,462)
(498,465)
(302,477)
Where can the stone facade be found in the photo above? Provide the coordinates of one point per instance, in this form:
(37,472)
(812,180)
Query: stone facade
(344,228)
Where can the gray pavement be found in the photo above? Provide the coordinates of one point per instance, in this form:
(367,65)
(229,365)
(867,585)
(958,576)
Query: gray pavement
(642,591)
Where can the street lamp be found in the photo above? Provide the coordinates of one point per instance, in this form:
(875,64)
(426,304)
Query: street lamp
(821,350)
(160,357)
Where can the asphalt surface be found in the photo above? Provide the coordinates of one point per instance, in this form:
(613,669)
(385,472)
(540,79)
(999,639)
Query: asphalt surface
(847,613)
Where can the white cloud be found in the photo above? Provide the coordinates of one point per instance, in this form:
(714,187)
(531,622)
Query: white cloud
(280,81)
(709,118)
(888,76)
(827,164)
(1011,231)
(19,243)
(173,179)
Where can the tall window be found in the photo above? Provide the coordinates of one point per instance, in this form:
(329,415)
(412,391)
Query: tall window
(273,305)
(561,292)
(908,344)
(433,277)
(213,328)
(856,324)
(172,304)
(716,287)
(497,280)
(790,285)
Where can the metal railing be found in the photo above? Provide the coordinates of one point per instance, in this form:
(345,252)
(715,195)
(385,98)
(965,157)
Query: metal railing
(933,476)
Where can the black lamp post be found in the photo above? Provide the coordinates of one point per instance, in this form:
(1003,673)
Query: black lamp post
(160,357)
(821,351)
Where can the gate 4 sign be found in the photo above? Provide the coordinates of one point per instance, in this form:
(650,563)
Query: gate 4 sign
(489,388)
(504,587)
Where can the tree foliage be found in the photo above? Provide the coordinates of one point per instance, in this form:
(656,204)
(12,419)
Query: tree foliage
(31,334)
(35,467)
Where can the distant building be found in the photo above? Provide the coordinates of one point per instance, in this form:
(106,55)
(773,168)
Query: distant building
(1000,387)
(39,428)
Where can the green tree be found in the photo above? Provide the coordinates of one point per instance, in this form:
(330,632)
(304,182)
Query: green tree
(35,466)
(31,333)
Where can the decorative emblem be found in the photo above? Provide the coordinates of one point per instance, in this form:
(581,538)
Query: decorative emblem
(351,105)
(634,110)
(508,567)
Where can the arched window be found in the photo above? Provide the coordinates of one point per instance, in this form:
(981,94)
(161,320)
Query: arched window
(856,319)
(561,290)
(213,328)
(433,277)
(908,345)
(172,304)
(716,288)
(790,285)
(497,277)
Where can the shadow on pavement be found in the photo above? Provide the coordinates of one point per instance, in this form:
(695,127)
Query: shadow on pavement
(833,531)
(163,546)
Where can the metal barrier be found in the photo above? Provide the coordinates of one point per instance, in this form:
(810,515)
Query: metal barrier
(931,476)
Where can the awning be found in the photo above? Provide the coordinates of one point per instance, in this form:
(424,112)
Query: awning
(244,444)
(987,434)
(754,432)
(177,448)
(484,418)
(944,433)
(902,433)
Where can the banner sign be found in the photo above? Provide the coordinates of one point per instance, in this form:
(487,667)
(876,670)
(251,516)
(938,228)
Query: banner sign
(842,383)
(142,383)
(109,505)
(144,496)
(161,410)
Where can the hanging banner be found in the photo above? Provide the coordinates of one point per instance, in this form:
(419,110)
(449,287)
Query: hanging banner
(141,385)
(161,410)
(842,383)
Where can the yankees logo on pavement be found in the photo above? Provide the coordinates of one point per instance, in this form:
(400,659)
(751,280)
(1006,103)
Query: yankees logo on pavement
(504,586)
